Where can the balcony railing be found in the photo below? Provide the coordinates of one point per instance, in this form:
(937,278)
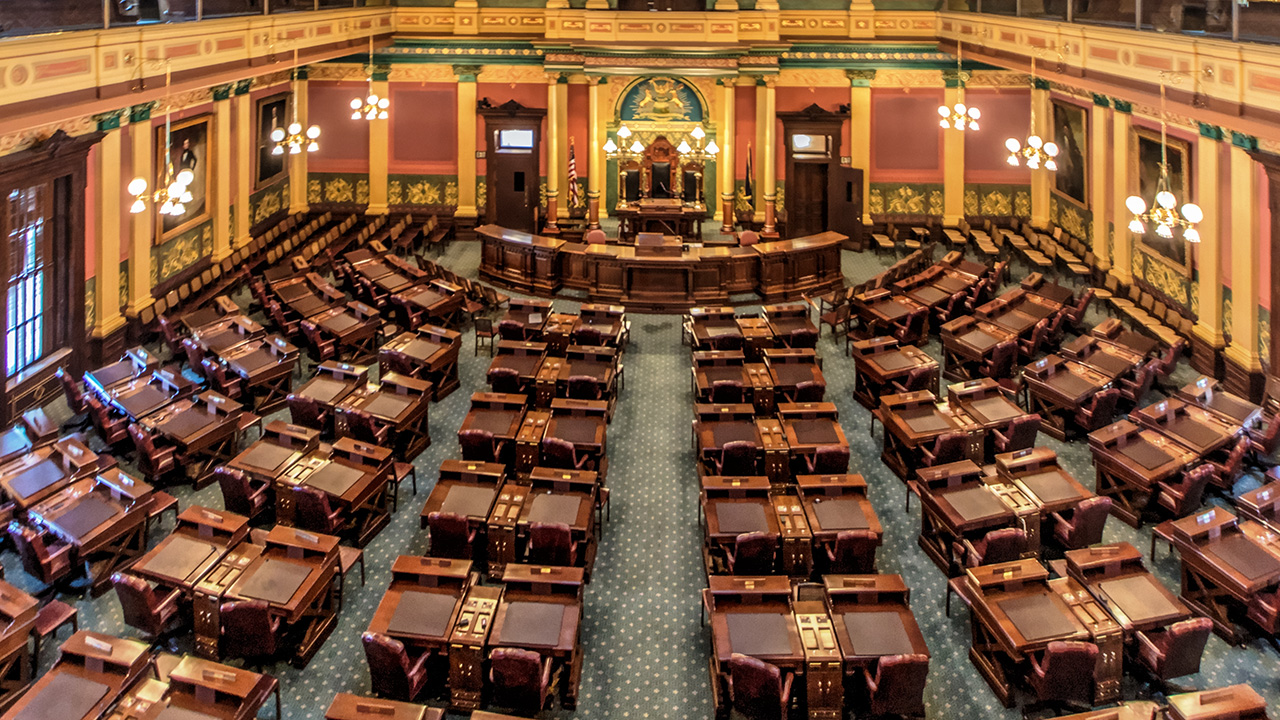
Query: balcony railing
(1258,21)
(29,17)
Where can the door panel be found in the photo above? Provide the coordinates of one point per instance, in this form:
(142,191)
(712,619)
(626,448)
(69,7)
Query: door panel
(844,203)
(807,199)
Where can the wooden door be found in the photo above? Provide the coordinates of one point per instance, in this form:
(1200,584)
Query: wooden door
(844,204)
(807,200)
(514,189)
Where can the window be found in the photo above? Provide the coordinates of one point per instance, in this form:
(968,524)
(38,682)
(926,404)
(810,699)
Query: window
(25,327)
(515,140)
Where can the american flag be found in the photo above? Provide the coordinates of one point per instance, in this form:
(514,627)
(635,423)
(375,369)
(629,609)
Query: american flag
(573,178)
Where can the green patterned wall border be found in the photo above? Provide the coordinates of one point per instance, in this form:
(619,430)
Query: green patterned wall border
(90,302)
(997,199)
(906,199)
(1174,285)
(1264,325)
(441,190)
(1071,216)
(345,188)
(181,252)
(268,201)
(124,283)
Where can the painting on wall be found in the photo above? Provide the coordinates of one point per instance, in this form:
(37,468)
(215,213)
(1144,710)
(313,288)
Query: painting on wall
(188,150)
(1144,165)
(1070,132)
(660,100)
(271,115)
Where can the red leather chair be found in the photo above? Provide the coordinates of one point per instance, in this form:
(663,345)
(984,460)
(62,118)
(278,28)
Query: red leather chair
(322,347)
(944,312)
(195,354)
(587,335)
(392,673)
(997,546)
(1264,447)
(1075,313)
(752,554)
(112,429)
(144,608)
(809,391)
(1133,390)
(727,392)
(551,544)
(478,444)
(1085,526)
(408,315)
(1184,497)
(585,387)
(366,428)
(1226,472)
(853,553)
(247,629)
(897,687)
(828,459)
(154,461)
(451,535)
(170,336)
(510,330)
(521,679)
(1064,674)
(240,496)
(919,378)
(1019,435)
(757,689)
(308,412)
(559,453)
(728,341)
(222,382)
(71,389)
(912,327)
(505,380)
(42,556)
(801,338)
(1029,346)
(736,458)
(1174,651)
(1099,411)
(999,364)
(947,448)
(314,513)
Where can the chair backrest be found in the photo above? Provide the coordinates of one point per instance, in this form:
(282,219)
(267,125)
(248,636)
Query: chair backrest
(803,338)
(1000,362)
(306,411)
(1099,412)
(748,237)
(1192,488)
(1021,433)
(98,413)
(516,676)
(919,378)
(1146,377)
(484,325)
(753,553)
(726,391)
(948,447)
(246,630)
(831,459)
(755,687)
(1088,522)
(449,533)
(138,602)
(550,544)
(585,387)
(32,550)
(728,341)
(363,426)
(739,458)
(595,237)
(810,391)
(1001,545)
(1082,305)
(75,396)
(510,330)
(477,444)
(854,552)
(1183,647)
(388,666)
(195,353)
(1069,669)
(588,335)
(313,509)
(558,453)
(504,380)
(1270,436)
(235,490)
(899,685)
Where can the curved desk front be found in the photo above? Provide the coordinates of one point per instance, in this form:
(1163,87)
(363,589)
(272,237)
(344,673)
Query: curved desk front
(775,271)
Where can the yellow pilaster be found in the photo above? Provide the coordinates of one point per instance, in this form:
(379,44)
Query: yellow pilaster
(553,153)
(1100,123)
(596,168)
(109,203)
(243,110)
(1122,268)
(1041,179)
(562,107)
(143,141)
(762,120)
(727,172)
(298,162)
(1246,246)
(952,156)
(222,178)
(860,131)
(379,147)
(1208,252)
(466,141)
(770,184)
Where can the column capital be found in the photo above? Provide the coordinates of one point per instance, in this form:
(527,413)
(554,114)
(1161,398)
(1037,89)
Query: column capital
(141,113)
(222,92)
(1122,106)
(380,73)
(243,87)
(955,78)
(1040,84)
(466,73)
(1247,143)
(860,78)
(109,120)
(554,77)
(300,73)
(1210,132)
(1101,100)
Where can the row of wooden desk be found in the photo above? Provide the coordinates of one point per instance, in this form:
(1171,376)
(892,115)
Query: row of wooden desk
(544,377)
(398,403)
(720,328)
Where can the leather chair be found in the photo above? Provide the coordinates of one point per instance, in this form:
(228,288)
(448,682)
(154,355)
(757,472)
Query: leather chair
(1057,330)
(726,392)
(551,544)
(145,609)
(919,378)
(587,335)
(1019,435)
(997,546)
(478,445)
(912,327)
(222,382)
(1029,346)
(521,679)
(322,347)
(757,689)
(240,496)
(42,556)
(247,629)
(112,429)
(809,391)
(752,554)
(314,513)
(1184,497)
(451,535)
(510,330)
(559,453)
(1085,526)
(154,461)
(1133,390)
(71,389)
(828,459)
(854,552)
(585,387)
(1226,472)
(747,238)
(736,458)
(999,364)
(948,310)
(393,674)
(897,687)
(947,448)
(308,412)
(801,338)
(1173,651)
(1264,447)
(1064,674)
(171,338)
(365,428)
(1099,411)
(195,354)
(728,341)
(408,315)
(595,237)
(505,380)
(1075,313)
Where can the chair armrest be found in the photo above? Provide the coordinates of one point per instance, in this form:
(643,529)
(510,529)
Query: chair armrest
(546,672)
(786,688)
(420,664)
(872,684)
(170,601)
(1058,516)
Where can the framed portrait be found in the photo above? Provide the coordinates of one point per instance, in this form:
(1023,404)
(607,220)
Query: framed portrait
(188,150)
(272,114)
(1071,133)
(1145,168)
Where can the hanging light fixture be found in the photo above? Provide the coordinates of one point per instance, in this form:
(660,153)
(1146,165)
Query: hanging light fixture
(293,138)
(698,150)
(619,150)
(959,116)
(371,107)
(172,195)
(1163,213)
(1035,152)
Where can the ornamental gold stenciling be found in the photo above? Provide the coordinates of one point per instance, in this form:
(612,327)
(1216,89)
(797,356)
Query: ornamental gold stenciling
(315,192)
(996,202)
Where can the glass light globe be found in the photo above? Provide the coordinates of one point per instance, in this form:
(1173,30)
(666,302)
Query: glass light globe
(355,115)
(186,197)
(712,148)
(1192,213)
(178,209)
(382,115)
(1033,162)
(1013,145)
(355,103)
(371,100)
(277,150)
(167,208)
(277,135)
(610,146)
(1136,226)
(1051,149)
(175,189)
(313,132)
(1136,205)
(295,128)
(973,124)
(1164,231)
(698,133)
(624,131)
(186,177)
(1166,200)
(1035,141)
(944,123)
(384,103)
(137,206)
(295,149)
(1013,160)
(960,108)
(1192,235)
(943,111)
(959,123)
(975,113)
(313,146)
(1051,165)
(683,147)
(137,186)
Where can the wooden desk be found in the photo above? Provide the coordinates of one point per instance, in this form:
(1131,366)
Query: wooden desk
(806,436)
(91,672)
(400,404)
(354,328)
(1113,330)
(878,311)
(872,619)
(913,420)
(1237,702)
(17,622)
(464,488)
(835,503)
(1262,504)
(353,707)
(1037,486)
(204,429)
(951,515)
(1116,576)
(764,628)
(712,435)
(227,334)
(205,687)
(1130,460)
(1110,359)
(525,358)
(1194,427)
(879,361)
(104,518)
(1225,563)
(422,605)
(1205,393)
(541,610)
(353,475)
(267,367)
(331,384)
(1056,387)
(707,331)
(41,472)
(967,342)
(137,363)
(432,351)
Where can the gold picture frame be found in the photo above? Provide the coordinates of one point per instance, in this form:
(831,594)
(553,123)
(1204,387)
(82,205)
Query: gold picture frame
(189,148)
(269,113)
(1144,169)
(1071,133)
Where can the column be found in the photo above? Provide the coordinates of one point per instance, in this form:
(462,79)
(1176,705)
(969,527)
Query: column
(298,162)
(466,211)
(379,145)
(1122,267)
(602,117)
(1041,179)
(143,141)
(595,168)
(762,119)
(1243,360)
(860,132)
(952,153)
(106,216)
(770,184)
(1209,339)
(562,120)
(222,176)
(728,173)
(1099,125)
(242,107)
(553,154)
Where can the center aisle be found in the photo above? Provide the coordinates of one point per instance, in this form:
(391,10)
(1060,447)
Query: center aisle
(646,656)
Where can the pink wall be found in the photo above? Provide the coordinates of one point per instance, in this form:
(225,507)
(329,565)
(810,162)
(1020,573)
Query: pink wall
(906,142)
(579,128)
(744,109)
(1005,114)
(424,128)
(344,145)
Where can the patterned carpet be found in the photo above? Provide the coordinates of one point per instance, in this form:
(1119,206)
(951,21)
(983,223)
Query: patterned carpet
(646,656)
